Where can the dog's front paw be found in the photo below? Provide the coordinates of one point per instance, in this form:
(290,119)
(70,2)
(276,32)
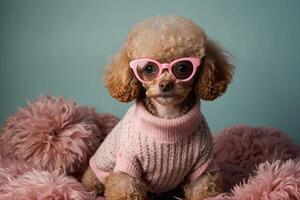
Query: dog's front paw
(121,186)
(208,185)
(91,183)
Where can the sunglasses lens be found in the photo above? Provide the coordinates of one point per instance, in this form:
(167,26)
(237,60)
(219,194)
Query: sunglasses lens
(147,71)
(182,69)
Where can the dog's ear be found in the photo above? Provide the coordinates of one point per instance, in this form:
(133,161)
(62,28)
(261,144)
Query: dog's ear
(120,80)
(215,73)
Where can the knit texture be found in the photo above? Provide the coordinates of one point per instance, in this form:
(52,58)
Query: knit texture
(163,152)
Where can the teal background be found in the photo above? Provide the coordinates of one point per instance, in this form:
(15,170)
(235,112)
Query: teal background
(60,47)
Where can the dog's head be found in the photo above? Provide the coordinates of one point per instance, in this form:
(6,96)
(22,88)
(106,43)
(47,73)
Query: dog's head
(169,47)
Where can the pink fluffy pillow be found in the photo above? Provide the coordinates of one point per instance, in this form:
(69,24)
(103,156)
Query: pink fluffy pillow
(54,134)
(238,151)
(42,142)
(19,181)
(278,180)
(11,168)
(43,185)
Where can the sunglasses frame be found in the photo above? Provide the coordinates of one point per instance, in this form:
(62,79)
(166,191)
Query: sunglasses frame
(162,66)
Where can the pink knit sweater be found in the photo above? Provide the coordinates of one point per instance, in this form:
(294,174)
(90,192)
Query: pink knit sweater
(163,152)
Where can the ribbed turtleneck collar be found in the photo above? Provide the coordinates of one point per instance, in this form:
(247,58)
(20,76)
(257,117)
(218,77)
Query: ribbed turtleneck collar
(167,130)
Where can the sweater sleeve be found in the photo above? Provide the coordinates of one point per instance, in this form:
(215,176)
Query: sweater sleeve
(129,165)
(208,166)
(100,174)
(118,152)
(127,158)
(104,160)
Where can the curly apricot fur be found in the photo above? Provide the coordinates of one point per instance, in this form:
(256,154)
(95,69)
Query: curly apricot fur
(165,39)
(215,73)
(120,80)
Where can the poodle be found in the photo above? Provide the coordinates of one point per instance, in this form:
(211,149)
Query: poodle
(163,144)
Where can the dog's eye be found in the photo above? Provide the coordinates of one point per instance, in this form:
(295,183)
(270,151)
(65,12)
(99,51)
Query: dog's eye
(182,70)
(149,69)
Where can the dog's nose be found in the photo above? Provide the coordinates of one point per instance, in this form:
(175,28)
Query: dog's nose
(166,86)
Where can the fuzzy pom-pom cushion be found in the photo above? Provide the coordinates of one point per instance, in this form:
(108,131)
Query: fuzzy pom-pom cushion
(46,145)
(19,181)
(276,180)
(11,168)
(43,185)
(238,151)
(279,180)
(54,134)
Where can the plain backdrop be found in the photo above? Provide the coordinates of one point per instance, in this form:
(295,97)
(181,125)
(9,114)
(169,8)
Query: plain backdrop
(61,47)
